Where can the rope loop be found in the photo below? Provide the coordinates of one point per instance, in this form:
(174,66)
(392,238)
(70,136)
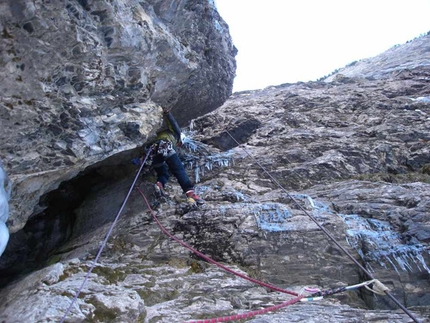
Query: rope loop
(378,287)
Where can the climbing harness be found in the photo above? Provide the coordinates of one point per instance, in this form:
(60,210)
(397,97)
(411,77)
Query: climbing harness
(328,234)
(160,147)
(165,148)
(106,238)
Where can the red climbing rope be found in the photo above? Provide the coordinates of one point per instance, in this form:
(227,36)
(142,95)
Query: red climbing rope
(210,259)
(248,314)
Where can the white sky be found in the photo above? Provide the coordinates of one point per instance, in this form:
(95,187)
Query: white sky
(287,41)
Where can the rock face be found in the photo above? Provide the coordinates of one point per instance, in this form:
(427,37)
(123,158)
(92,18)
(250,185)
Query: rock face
(83,80)
(351,153)
(398,60)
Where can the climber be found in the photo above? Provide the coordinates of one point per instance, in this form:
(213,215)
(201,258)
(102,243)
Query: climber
(164,159)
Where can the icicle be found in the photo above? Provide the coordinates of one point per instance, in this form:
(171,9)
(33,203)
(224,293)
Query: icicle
(197,156)
(383,245)
(5,191)
(197,175)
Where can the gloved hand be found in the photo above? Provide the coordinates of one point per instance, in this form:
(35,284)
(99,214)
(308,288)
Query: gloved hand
(136,161)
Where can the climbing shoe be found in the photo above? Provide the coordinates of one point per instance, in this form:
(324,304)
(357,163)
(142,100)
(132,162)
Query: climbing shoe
(159,190)
(193,198)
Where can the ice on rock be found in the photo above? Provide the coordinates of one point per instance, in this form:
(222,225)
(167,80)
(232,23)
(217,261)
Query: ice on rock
(373,239)
(5,190)
(199,157)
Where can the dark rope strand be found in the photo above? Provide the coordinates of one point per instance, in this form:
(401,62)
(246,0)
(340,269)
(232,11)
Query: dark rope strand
(106,239)
(320,226)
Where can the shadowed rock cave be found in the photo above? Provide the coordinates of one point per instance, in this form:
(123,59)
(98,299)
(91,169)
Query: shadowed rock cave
(39,242)
(102,188)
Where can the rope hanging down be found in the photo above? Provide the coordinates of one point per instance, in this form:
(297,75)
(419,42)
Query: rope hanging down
(317,294)
(329,235)
(208,259)
(380,288)
(106,238)
(240,316)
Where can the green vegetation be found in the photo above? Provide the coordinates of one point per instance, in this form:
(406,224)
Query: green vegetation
(101,312)
(112,275)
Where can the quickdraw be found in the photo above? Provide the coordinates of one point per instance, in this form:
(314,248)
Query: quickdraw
(160,147)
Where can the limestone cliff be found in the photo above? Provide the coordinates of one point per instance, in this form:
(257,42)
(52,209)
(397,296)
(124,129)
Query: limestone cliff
(352,151)
(83,80)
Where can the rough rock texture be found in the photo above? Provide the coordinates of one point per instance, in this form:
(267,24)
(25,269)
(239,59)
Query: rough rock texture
(398,60)
(83,80)
(353,153)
